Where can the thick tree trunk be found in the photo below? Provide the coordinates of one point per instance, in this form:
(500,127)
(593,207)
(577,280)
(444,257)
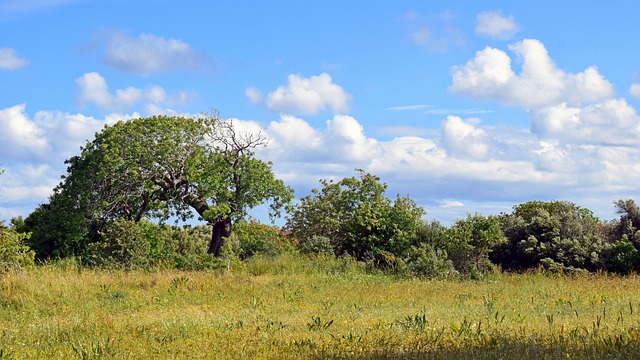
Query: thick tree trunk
(220,229)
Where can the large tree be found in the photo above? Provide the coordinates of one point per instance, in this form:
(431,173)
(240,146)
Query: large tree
(168,166)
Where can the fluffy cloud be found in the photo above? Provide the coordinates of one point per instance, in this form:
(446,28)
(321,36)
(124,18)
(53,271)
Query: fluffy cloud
(20,137)
(309,96)
(462,162)
(10,60)
(464,139)
(343,141)
(34,150)
(93,89)
(489,76)
(612,122)
(496,25)
(148,54)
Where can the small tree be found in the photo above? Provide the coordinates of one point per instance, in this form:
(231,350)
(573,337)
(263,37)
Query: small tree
(357,218)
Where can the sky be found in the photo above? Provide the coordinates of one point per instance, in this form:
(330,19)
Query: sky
(465,106)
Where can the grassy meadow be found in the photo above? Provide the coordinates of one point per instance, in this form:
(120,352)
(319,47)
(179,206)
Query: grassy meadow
(291,308)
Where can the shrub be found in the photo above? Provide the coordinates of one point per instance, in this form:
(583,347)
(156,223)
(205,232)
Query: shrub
(358,218)
(469,242)
(253,238)
(426,262)
(316,244)
(561,233)
(14,253)
(122,244)
(623,256)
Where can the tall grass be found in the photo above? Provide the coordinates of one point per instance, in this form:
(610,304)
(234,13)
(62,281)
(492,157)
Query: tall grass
(295,308)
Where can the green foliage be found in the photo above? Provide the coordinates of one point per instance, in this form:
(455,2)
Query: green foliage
(14,251)
(58,229)
(624,256)
(254,238)
(426,262)
(158,167)
(130,245)
(122,244)
(355,214)
(471,240)
(561,233)
(316,244)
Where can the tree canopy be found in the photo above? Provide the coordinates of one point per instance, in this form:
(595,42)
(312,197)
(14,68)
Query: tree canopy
(170,166)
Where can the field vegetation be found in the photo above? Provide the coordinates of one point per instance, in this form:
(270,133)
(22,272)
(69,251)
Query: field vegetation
(291,307)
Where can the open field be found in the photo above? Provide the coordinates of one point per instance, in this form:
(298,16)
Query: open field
(295,309)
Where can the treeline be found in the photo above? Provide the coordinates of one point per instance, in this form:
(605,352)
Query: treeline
(350,218)
(169,167)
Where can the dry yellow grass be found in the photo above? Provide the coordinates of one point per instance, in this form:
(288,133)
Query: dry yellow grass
(294,308)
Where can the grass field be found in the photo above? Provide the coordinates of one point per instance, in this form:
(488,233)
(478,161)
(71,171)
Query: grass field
(290,308)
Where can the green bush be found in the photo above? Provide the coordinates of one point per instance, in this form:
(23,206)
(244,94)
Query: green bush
(358,218)
(252,238)
(470,241)
(127,244)
(14,253)
(426,262)
(316,244)
(122,244)
(555,235)
(623,257)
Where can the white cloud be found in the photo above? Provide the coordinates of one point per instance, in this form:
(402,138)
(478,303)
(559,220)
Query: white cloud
(93,89)
(612,122)
(409,107)
(309,96)
(496,25)
(489,76)
(634,91)
(464,139)
(34,150)
(20,137)
(148,54)
(10,60)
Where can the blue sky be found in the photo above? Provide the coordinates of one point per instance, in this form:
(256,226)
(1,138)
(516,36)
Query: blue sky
(464,106)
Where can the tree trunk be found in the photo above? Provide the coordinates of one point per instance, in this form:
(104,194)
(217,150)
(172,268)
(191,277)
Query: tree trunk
(220,229)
